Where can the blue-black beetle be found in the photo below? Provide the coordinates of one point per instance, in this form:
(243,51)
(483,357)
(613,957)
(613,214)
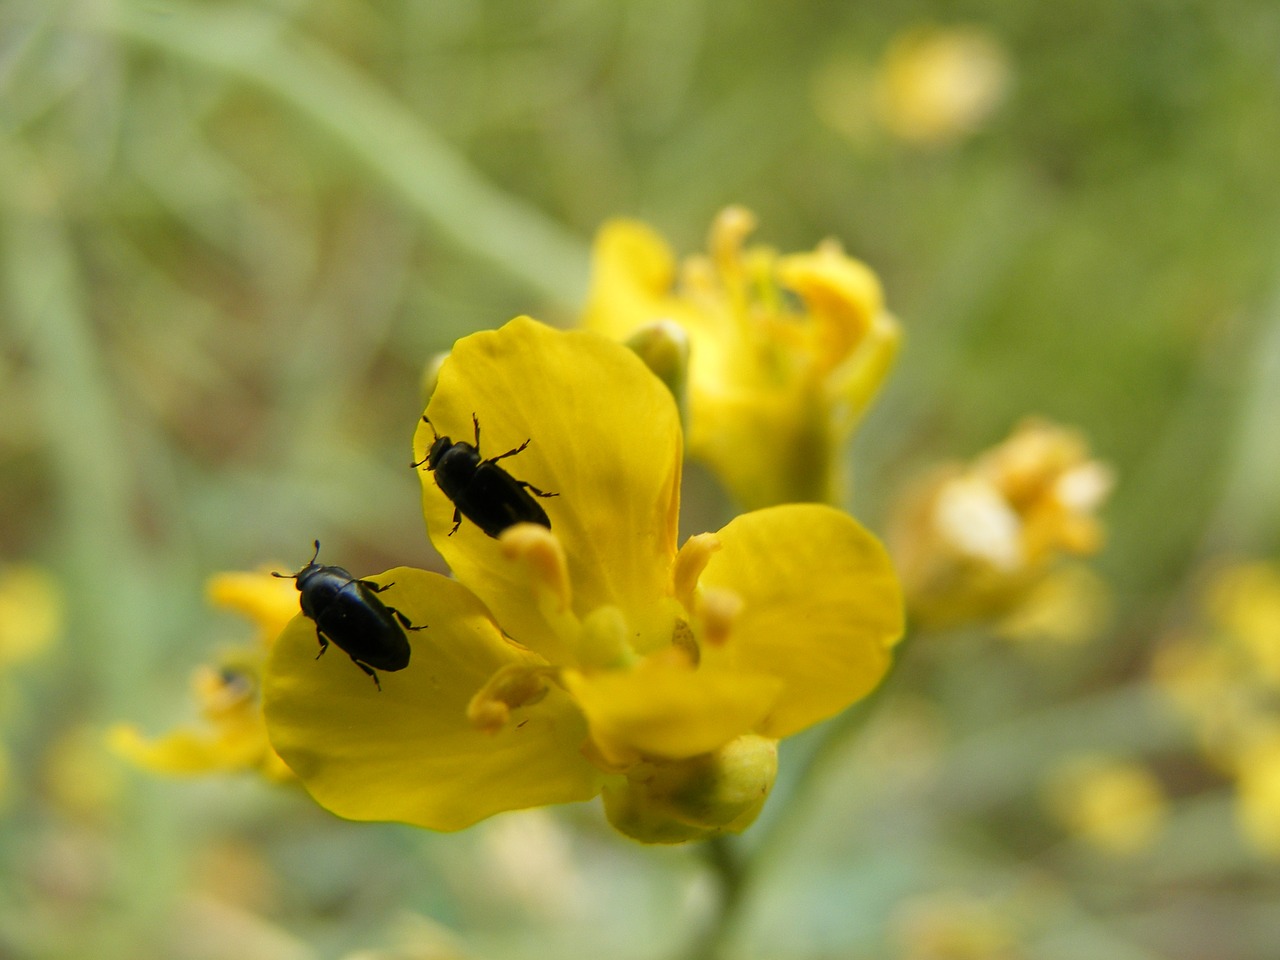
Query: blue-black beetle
(481,490)
(347,611)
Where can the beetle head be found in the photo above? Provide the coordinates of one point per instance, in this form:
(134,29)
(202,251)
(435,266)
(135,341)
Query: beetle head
(301,574)
(438,448)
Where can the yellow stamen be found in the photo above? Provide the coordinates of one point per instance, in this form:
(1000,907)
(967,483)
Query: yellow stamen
(689,564)
(542,553)
(515,685)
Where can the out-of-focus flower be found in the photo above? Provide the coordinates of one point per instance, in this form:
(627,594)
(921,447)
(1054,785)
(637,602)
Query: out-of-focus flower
(1258,793)
(973,541)
(31,620)
(1070,606)
(937,85)
(232,735)
(31,612)
(785,353)
(1224,673)
(80,778)
(1244,601)
(955,926)
(592,656)
(1116,806)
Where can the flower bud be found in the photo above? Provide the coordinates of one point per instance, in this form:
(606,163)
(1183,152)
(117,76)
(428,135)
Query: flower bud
(694,799)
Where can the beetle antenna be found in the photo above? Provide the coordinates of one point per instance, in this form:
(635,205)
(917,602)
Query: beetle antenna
(294,576)
(434,437)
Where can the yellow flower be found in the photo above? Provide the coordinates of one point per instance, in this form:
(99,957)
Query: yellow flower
(785,352)
(1070,606)
(1244,600)
(31,612)
(953,925)
(233,735)
(1116,806)
(592,655)
(938,85)
(1224,674)
(973,541)
(1258,794)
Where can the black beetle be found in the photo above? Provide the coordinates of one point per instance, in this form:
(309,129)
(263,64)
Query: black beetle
(481,490)
(347,611)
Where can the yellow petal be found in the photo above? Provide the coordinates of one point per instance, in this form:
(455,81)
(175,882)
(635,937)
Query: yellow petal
(667,711)
(822,609)
(604,436)
(632,272)
(409,752)
(187,751)
(843,296)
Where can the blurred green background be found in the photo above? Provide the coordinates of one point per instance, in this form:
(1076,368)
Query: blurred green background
(233,234)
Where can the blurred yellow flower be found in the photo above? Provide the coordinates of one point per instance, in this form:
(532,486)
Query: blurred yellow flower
(953,925)
(974,541)
(1258,794)
(1244,600)
(1223,674)
(937,85)
(31,612)
(785,352)
(1116,806)
(233,735)
(1069,606)
(592,656)
(79,777)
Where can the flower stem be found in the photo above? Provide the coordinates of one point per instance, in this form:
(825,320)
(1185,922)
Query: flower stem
(731,877)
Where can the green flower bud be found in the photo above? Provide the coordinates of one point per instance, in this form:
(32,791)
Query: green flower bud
(664,348)
(695,799)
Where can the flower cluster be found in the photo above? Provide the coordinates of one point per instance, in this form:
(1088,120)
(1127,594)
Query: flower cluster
(594,656)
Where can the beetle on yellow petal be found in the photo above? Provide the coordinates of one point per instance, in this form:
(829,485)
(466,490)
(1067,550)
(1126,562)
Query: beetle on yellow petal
(591,655)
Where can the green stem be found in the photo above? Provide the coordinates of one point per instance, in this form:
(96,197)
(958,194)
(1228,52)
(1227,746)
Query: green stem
(734,869)
(730,872)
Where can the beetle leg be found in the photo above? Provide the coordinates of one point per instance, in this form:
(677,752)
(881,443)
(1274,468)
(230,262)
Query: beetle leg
(375,587)
(476,421)
(404,621)
(509,453)
(535,490)
(324,643)
(457,521)
(369,670)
